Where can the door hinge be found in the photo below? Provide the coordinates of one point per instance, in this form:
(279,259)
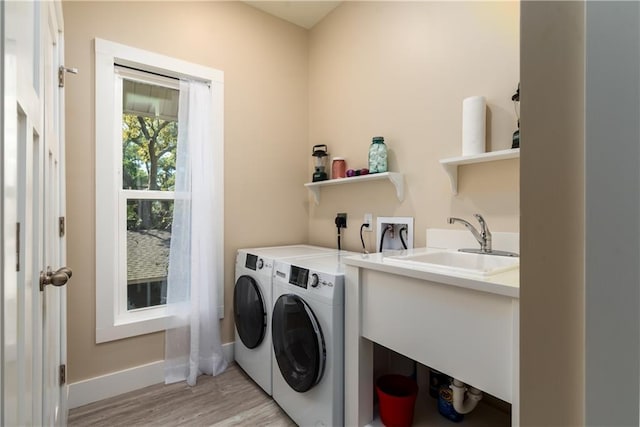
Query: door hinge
(63,374)
(61,226)
(61,71)
(17,246)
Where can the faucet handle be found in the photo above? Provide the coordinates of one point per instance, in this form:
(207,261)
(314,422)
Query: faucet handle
(486,234)
(483,223)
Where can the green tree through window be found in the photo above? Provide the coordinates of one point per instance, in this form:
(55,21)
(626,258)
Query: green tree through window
(149,163)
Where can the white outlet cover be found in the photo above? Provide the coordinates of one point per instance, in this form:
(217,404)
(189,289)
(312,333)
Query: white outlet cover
(368,219)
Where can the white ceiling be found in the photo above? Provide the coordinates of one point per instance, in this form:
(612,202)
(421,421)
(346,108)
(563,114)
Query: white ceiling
(305,13)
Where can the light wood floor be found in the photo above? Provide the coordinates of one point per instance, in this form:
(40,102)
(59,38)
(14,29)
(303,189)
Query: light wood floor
(230,399)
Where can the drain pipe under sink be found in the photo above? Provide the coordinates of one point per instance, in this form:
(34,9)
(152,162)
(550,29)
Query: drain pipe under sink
(459,404)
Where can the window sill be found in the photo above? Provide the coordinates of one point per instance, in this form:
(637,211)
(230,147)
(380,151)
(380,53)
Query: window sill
(141,323)
(131,328)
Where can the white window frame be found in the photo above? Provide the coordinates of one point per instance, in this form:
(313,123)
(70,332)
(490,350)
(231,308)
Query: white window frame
(112,322)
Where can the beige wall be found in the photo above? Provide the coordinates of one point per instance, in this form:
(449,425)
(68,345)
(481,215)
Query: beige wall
(382,68)
(552,227)
(401,70)
(265,65)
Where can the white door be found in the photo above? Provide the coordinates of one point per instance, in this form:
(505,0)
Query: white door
(53,297)
(33,201)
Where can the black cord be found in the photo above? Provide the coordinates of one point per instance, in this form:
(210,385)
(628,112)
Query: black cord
(364,248)
(382,238)
(404,245)
(341,222)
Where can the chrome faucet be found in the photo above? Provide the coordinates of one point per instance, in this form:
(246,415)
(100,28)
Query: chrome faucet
(483,237)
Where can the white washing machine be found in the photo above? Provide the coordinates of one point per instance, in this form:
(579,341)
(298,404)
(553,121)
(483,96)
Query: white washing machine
(308,339)
(252,305)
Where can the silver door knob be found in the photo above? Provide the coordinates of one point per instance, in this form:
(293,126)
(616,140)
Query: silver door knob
(59,277)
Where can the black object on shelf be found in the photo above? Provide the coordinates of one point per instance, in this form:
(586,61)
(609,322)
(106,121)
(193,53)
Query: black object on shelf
(515,143)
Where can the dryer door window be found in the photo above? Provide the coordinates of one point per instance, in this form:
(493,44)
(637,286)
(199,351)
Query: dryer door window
(298,342)
(249,311)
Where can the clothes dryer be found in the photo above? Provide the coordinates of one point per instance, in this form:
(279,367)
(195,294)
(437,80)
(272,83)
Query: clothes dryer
(252,305)
(308,338)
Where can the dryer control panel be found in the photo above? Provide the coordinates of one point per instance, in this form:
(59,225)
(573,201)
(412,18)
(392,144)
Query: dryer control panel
(313,282)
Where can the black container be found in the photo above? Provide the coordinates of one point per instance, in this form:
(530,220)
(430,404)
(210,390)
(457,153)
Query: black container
(515,142)
(436,380)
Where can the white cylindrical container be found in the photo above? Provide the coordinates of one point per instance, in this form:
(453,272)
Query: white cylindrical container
(473,125)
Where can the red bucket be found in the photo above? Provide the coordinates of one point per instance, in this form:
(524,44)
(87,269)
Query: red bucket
(397,397)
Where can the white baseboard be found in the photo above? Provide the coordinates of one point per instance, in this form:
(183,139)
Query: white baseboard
(116,383)
(227,349)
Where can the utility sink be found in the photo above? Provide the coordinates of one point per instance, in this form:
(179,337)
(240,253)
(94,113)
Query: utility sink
(456,262)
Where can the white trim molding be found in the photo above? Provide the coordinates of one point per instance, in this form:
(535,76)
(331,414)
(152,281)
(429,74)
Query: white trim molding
(109,385)
(113,320)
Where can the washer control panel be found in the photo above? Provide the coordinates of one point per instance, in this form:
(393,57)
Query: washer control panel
(315,280)
(298,276)
(262,266)
(251,262)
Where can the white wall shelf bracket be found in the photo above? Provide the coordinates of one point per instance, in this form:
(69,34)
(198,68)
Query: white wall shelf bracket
(451,164)
(394,177)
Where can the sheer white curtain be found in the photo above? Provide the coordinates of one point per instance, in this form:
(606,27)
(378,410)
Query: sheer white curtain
(192,343)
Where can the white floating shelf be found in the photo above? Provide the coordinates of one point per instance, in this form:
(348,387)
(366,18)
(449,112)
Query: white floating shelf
(394,177)
(451,164)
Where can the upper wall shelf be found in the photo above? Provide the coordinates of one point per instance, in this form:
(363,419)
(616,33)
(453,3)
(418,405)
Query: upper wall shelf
(394,177)
(451,164)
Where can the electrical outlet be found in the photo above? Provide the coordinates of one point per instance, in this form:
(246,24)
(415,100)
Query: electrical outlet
(341,220)
(368,219)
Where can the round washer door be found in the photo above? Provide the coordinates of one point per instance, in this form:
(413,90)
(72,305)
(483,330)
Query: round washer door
(249,312)
(298,342)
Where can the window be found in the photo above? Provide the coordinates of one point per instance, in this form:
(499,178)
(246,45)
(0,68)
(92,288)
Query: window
(149,123)
(137,94)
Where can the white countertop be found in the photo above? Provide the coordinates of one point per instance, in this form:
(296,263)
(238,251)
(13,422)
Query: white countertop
(505,284)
